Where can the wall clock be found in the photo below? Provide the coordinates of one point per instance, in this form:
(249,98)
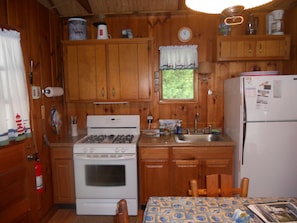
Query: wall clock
(184,34)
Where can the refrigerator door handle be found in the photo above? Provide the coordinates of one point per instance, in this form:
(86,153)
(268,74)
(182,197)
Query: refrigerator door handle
(244,122)
(243,142)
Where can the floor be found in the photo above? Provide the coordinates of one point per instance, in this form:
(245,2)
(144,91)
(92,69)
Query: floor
(69,216)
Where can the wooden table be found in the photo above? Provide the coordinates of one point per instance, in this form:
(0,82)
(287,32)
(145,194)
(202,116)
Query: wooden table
(201,209)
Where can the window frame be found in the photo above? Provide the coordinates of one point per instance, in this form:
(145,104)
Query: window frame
(187,101)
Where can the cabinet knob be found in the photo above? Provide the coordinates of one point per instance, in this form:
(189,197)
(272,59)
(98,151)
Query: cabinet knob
(102,92)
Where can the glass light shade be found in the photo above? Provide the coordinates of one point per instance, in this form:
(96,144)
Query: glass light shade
(205,67)
(217,6)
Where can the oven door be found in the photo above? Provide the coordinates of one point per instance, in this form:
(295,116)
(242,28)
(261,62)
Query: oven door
(105,176)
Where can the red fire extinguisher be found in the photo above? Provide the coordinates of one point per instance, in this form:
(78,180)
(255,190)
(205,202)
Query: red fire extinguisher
(38,173)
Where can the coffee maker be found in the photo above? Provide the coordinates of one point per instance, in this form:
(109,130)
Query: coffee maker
(275,23)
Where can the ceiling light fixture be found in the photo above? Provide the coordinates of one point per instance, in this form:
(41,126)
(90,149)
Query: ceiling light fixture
(217,6)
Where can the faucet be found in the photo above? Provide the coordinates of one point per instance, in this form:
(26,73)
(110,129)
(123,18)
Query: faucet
(196,120)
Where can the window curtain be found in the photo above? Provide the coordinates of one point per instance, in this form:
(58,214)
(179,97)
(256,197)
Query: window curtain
(178,57)
(14,99)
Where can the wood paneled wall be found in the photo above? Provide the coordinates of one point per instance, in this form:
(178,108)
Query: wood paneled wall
(164,28)
(40,40)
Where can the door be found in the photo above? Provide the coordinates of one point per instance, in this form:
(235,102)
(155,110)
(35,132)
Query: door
(269,159)
(17,187)
(271,98)
(105,177)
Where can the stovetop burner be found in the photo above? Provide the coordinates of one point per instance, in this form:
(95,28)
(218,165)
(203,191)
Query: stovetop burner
(108,139)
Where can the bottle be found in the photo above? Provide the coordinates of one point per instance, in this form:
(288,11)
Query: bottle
(179,127)
(252,25)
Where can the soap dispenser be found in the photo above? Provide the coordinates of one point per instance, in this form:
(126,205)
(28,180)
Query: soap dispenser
(179,127)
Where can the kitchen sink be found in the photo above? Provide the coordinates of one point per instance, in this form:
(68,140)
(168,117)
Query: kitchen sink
(187,138)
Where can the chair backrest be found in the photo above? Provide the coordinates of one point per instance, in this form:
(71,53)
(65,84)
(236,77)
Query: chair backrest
(122,212)
(219,185)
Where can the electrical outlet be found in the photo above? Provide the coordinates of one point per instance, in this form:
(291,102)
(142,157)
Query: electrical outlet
(150,118)
(36,92)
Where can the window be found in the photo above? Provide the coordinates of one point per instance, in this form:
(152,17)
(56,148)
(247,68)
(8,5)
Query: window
(178,81)
(178,85)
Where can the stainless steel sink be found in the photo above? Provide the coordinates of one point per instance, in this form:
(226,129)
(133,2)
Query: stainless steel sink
(187,138)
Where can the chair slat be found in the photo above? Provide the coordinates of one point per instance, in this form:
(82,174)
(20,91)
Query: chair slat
(212,182)
(226,185)
(219,185)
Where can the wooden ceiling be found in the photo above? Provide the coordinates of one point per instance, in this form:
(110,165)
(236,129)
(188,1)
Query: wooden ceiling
(87,8)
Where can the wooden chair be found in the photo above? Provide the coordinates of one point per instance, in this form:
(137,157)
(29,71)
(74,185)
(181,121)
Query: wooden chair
(122,212)
(219,185)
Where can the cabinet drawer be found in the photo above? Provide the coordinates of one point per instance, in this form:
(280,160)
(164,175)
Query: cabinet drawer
(62,153)
(154,153)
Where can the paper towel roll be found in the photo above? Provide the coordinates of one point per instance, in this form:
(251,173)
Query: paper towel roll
(53,91)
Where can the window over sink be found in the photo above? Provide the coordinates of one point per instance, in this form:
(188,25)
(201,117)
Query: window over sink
(179,85)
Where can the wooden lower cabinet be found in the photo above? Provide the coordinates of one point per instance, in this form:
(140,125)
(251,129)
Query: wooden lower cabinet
(166,171)
(154,179)
(63,175)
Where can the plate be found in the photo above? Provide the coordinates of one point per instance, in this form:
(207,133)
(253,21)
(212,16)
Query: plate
(260,73)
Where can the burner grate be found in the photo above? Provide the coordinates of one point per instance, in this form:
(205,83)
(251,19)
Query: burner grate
(109,139)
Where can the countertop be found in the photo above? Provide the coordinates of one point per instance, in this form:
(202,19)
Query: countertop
(145,141)
(149,141)
(66,141)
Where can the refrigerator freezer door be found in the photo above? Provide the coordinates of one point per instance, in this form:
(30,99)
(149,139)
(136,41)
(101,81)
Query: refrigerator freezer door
(270,98)
(269,159)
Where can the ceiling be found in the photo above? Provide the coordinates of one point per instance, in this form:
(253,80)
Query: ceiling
(87,8)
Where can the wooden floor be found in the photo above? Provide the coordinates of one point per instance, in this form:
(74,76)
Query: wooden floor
(69,216)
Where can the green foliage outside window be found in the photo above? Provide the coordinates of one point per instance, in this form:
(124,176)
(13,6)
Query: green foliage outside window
(178,84)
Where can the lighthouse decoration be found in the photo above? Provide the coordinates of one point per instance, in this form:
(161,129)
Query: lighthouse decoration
(20,127)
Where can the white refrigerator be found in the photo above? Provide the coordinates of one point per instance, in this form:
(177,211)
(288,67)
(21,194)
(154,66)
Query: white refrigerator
(260,115)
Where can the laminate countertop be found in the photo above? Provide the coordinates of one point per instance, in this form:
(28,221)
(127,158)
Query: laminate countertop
(147,141)
(66,141)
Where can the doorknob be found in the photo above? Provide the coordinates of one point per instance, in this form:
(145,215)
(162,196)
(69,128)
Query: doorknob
(31,157)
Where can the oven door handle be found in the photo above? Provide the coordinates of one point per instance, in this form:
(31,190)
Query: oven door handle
(84,157)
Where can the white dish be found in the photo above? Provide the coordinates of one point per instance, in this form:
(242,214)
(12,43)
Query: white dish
(260,73)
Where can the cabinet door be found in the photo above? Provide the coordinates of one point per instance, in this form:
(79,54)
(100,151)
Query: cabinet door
(153,173)
(183,172)
(101,70)
(216,166)
(71,72)
(85,72)
(86,59)
(134,71)
(272,48)
(113,76)
(63,175)
(155,179)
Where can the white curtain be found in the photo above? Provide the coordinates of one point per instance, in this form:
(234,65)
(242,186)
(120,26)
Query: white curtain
(14,99)
(178,57)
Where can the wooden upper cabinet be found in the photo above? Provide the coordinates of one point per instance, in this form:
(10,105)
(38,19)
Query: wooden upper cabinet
(254,47)
(108,70)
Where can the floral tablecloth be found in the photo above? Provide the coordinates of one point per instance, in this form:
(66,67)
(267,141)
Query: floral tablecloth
(200,209)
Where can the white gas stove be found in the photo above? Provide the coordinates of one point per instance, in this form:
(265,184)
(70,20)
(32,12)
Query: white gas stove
(105,164)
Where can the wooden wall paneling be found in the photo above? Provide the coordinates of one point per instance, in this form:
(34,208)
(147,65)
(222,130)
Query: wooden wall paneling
(163,28)
(290,27)
(3,12)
